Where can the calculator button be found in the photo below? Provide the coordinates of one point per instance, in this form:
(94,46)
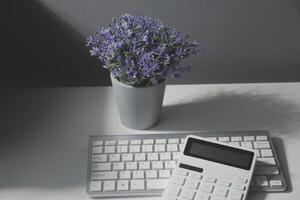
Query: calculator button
(224,182)
(178,180)
(181,172)
(221,191)
(202,196)
(235,195)
(241,180)
(174,190)
(188,194)
(207,187)
(239,186)
(192,183)
(210,179)
(217,198)
(195,175)
(169,197)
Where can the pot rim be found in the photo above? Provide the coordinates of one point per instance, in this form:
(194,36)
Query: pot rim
(130,86)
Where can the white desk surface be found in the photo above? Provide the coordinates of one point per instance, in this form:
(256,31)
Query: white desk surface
(44,131)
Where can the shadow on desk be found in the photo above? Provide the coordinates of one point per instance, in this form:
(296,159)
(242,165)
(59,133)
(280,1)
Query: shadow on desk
(231,111)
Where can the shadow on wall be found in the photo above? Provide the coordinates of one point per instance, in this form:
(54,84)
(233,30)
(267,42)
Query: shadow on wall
(39,49)
(231,111)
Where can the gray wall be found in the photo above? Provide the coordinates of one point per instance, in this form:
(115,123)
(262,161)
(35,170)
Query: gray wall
(245,41)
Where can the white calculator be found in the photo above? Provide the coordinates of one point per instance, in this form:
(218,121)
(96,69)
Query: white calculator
(211,170)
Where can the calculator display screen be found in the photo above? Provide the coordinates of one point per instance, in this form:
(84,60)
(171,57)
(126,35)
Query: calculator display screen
(219,153)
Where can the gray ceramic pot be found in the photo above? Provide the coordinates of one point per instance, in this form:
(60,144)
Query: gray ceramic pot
(139,107)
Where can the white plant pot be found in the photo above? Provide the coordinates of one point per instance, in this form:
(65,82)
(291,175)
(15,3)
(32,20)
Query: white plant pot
(139,107)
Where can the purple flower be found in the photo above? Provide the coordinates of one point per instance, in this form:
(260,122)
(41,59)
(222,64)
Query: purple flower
(139,50)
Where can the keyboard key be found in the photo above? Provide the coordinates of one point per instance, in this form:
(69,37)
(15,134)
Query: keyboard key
(261,145)
(149,141)
(172,147)
(160,141)
(114,157)
(182,140)
(187,194)
(109,186)
(109,149)
(261,181)
(134,142)
(99,158)
(174,190)
(157,165)
(235,195)
(125,174)
(164,173)
(207,187)
(118,166)
(104,175)
(170,164)
(137,185)
(97,143)
(97,149)
(134,148)
(249,138)
(147,148)
(267,170)
(154,184)
(275,183)
(122,185)
(110,142)
(247,145)
(131,166)
(151,174)
(257,153)
(262,137)
(140,157)
(181,147)
(95,186)
(175,155)
(165,156)
(265,161)
(122,149)
(221,191)
(236,139)
(173,141)
(159,148)
(234,143)
(138,174)
(152,156)
(223,139)
(266,153)
(101,167)
(217,198)
(127,157)
(144,165)
(123,142)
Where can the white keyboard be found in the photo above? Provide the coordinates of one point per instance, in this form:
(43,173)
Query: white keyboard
(141,165)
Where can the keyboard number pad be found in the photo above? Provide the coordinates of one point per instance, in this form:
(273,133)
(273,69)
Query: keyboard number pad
(190,185)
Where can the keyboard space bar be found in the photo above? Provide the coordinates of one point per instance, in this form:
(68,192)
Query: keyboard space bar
(157,184)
